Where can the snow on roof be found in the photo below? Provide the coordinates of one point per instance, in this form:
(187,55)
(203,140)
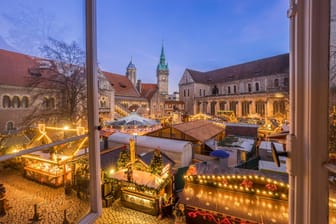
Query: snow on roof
(242,144)
(266,145)
(139,177)
(270,166)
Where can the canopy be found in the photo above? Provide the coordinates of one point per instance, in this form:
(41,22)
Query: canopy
(133,120)
(219,153)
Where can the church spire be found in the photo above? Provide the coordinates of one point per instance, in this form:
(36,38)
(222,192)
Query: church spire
(162,65)
(162,56)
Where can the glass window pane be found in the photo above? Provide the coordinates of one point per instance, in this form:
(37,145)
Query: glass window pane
(43,113)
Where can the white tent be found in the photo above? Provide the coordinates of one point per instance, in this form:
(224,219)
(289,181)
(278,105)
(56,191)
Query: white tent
(179,151)
(133,119)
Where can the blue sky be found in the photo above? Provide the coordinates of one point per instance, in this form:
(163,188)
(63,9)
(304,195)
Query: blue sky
(198,34)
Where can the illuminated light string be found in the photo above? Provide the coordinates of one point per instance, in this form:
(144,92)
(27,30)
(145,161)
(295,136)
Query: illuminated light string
(244,183)
(272,212)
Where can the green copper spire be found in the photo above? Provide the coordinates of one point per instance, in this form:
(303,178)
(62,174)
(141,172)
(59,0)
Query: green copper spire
(162,56)
(162,65)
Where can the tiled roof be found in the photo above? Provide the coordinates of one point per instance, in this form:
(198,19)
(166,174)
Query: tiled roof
(261,67)
(122,85)
(148,90)
(201,130)
(14,68)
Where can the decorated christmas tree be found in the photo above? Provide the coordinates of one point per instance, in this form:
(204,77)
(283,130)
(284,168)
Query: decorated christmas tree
(156,165)
(124,158)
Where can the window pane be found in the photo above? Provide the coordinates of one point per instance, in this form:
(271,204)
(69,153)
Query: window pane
(43,113)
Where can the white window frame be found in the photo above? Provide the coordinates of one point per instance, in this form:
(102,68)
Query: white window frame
(309,81)
(93,122)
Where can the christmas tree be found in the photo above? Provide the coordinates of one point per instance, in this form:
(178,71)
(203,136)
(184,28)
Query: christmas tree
(156,165)
(124,158)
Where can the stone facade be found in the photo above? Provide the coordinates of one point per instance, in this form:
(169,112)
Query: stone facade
(258,87)
(16,97)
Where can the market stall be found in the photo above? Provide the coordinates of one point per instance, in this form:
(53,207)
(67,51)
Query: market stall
(235,196)
(46,171)
(146,188)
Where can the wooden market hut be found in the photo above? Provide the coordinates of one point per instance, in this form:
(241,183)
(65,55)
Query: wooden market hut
(138,186)
(202,133)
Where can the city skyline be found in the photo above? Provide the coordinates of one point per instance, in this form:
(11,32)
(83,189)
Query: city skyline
(201,35)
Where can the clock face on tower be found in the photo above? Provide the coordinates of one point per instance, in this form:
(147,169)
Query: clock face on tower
(163,78)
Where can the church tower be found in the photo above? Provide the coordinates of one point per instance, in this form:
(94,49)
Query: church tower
(162,73)
(131,73)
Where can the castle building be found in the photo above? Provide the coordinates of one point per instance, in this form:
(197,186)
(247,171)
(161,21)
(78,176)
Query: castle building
(254,88)
(19,100)
(118,94)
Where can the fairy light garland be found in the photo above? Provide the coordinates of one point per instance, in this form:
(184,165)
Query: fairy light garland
(252,184)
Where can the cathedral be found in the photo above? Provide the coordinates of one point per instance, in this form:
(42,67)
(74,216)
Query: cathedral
(253,89)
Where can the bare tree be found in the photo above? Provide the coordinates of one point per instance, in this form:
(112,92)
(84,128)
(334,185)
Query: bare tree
(58,84)
(29,28)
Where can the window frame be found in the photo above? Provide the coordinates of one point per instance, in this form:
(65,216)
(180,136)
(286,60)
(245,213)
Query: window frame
(93,122)
(307,140)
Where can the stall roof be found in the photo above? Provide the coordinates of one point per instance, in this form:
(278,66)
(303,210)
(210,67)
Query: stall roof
(266,145)
(238,143)
(240,205)
(270,166)
(110,158)
(201,130)
(147,158)
(150,142)
(139,177)
(134,119)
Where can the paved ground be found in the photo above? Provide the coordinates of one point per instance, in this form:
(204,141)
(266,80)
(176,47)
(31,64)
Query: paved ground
(22,194)
(117,214)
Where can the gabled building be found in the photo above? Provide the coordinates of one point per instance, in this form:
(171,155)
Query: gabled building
(18,98)
(258,87)
(131,95)
(118,94)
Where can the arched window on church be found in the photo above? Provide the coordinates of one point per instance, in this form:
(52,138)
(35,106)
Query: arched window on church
(16,102)
(52,103)
(24,102)
(276,107)
(229,90)
(102,102)
(45,103)
(249,87)
(257,86)
(260,107)
(6,102)
(10,126)
(215,90)
(276,82)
